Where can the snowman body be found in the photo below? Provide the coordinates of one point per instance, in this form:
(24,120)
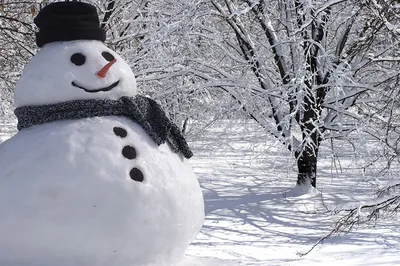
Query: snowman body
(67,196)
(93,191)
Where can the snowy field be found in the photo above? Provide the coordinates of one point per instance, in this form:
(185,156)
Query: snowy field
(250,220)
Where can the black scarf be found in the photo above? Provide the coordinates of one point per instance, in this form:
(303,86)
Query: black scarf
(142,110)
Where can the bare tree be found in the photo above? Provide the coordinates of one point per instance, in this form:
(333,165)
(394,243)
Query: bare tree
(154,38)
(304,70)
(16,44)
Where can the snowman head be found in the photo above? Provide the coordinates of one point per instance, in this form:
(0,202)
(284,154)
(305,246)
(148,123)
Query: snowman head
(73,62)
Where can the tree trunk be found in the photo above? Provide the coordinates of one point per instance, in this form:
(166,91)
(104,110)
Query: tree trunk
(307,167)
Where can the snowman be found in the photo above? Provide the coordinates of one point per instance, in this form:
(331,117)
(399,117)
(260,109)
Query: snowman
(97,175)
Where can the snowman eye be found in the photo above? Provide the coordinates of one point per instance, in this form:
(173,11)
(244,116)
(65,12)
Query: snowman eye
(78,59)
(107,56)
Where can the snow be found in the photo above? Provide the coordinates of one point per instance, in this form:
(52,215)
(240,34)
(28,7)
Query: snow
(301,192)
(48,77)
(66,197)
(250,221)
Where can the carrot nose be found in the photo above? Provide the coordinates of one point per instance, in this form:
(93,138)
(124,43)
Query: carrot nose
(103,72)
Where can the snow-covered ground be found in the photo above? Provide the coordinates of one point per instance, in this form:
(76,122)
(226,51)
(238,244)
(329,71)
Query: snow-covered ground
(251,220)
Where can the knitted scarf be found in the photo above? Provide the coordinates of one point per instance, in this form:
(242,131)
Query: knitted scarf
(142,110)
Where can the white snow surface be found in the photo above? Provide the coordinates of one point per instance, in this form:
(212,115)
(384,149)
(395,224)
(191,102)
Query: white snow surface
(250,219)
(48,77)
(66,197)
(255,215)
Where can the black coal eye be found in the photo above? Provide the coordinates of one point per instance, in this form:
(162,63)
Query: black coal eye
(109,57)
(78,59)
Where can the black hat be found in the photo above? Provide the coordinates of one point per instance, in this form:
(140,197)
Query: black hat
(68,21)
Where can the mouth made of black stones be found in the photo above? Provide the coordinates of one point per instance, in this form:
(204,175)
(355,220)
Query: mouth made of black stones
(97,90)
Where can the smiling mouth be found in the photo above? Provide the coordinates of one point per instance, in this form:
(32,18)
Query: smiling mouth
(101,89)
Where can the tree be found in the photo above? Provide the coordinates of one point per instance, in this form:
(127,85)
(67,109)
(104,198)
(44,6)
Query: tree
(154,37)
(301,69)
(16,45)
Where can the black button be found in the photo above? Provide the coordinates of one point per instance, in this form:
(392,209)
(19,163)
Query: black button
(129,152)
(120,132)
(136,175)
